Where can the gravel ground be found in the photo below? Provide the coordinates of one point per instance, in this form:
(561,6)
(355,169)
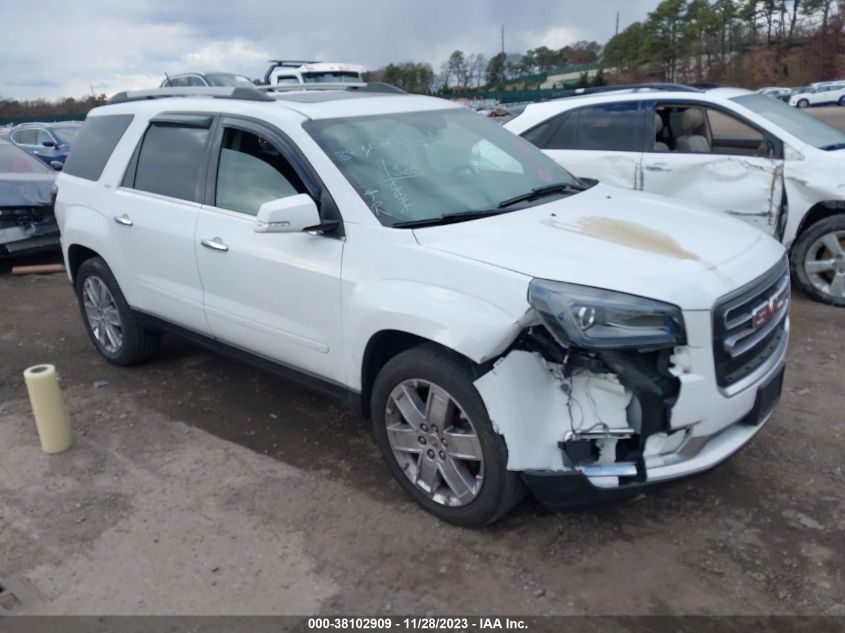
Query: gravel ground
(228,490)
(197,485)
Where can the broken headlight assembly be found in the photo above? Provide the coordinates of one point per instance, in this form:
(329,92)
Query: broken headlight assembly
(594,318)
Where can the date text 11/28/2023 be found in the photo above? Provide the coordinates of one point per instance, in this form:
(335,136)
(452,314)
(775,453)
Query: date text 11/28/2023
(417,624)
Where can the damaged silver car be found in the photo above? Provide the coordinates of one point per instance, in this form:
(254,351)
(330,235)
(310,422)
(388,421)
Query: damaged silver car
(27,223)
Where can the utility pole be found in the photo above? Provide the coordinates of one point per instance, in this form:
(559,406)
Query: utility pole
(503,38)
(617,23)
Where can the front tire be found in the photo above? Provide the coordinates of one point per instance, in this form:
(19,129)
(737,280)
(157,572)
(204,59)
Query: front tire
(434,432)
(803,103)
(113,329)
(818,260)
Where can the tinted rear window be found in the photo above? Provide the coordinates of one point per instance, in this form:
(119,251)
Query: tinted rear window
(171,160)
(610,127)
(94,145)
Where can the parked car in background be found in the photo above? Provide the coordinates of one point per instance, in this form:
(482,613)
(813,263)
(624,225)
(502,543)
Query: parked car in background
(501,323)
(202,80)
(738,152)
(27,222)
(293,72)
(778,93)
(49,142)
(823,94)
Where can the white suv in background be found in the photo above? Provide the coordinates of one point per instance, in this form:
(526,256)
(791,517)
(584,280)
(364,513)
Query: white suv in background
(500,323)
(822,94)
(738,152)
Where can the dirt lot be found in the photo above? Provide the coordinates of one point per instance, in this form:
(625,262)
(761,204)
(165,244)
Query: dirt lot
(198,485)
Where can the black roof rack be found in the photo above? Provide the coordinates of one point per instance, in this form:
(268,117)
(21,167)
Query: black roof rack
(372,86)
(577,92)
(292,63)
(224,92)
(285,63)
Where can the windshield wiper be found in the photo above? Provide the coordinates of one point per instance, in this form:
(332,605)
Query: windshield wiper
(537,192)
(447,218)
(828,148)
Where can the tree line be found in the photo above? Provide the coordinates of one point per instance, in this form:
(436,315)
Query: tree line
(29,108)
(467,71)
(742,42)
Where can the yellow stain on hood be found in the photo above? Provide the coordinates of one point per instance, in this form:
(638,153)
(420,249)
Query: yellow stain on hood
(632,235)
(626,233)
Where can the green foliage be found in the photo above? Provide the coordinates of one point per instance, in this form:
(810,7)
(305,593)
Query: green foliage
(409,76)
(496,69)
(698,40)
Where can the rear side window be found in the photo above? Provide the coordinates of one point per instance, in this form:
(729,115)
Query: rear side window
(25,137)
(171,160)
(537,135)
(609,127)
(94,145)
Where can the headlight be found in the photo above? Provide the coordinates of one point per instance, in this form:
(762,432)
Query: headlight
(592,318)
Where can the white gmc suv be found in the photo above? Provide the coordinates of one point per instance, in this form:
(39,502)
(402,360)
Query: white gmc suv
(501,322)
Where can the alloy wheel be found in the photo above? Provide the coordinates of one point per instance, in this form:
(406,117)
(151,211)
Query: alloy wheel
(825,264)
(102,314)
(434,442)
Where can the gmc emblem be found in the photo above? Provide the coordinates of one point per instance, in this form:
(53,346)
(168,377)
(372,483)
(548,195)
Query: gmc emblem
(769,309)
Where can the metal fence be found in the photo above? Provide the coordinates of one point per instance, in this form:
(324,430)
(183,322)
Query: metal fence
(44,118)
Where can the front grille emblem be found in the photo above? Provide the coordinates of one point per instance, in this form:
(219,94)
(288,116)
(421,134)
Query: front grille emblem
(769,309)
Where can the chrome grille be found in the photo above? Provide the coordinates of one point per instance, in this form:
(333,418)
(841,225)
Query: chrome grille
(749,325)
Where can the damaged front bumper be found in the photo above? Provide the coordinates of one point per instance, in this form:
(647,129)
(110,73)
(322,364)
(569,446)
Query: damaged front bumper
(596,484)
(27,230)
(619,422)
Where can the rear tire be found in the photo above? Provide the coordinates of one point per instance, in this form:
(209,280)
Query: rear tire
(113,329)
(428,419)
(818,260)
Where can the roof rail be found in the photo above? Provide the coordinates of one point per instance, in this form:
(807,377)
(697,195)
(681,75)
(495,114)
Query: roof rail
(577,92)
(323,85)
(223,92)
(292,63)
(373,86)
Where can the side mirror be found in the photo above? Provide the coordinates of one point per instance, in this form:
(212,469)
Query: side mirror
(57,165)
(287,215)
(48,143)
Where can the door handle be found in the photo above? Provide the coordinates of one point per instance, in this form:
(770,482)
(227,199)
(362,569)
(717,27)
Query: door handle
(123,219)
(215,244)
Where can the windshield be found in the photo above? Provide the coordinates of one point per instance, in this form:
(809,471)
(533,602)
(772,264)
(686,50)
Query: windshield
(67,135)
(417,166)
(17,161)
(801,125)
(338,76)
(229,80)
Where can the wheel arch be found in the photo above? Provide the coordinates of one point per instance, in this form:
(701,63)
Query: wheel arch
(818,212)
(77,254)
(385,345)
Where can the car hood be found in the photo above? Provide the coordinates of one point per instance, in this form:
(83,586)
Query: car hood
(26,190)
(619,240)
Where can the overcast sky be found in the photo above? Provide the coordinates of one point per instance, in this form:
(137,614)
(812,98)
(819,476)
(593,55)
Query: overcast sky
(56,48)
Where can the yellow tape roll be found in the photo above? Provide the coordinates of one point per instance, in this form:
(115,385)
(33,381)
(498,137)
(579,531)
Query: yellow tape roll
(48,408)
